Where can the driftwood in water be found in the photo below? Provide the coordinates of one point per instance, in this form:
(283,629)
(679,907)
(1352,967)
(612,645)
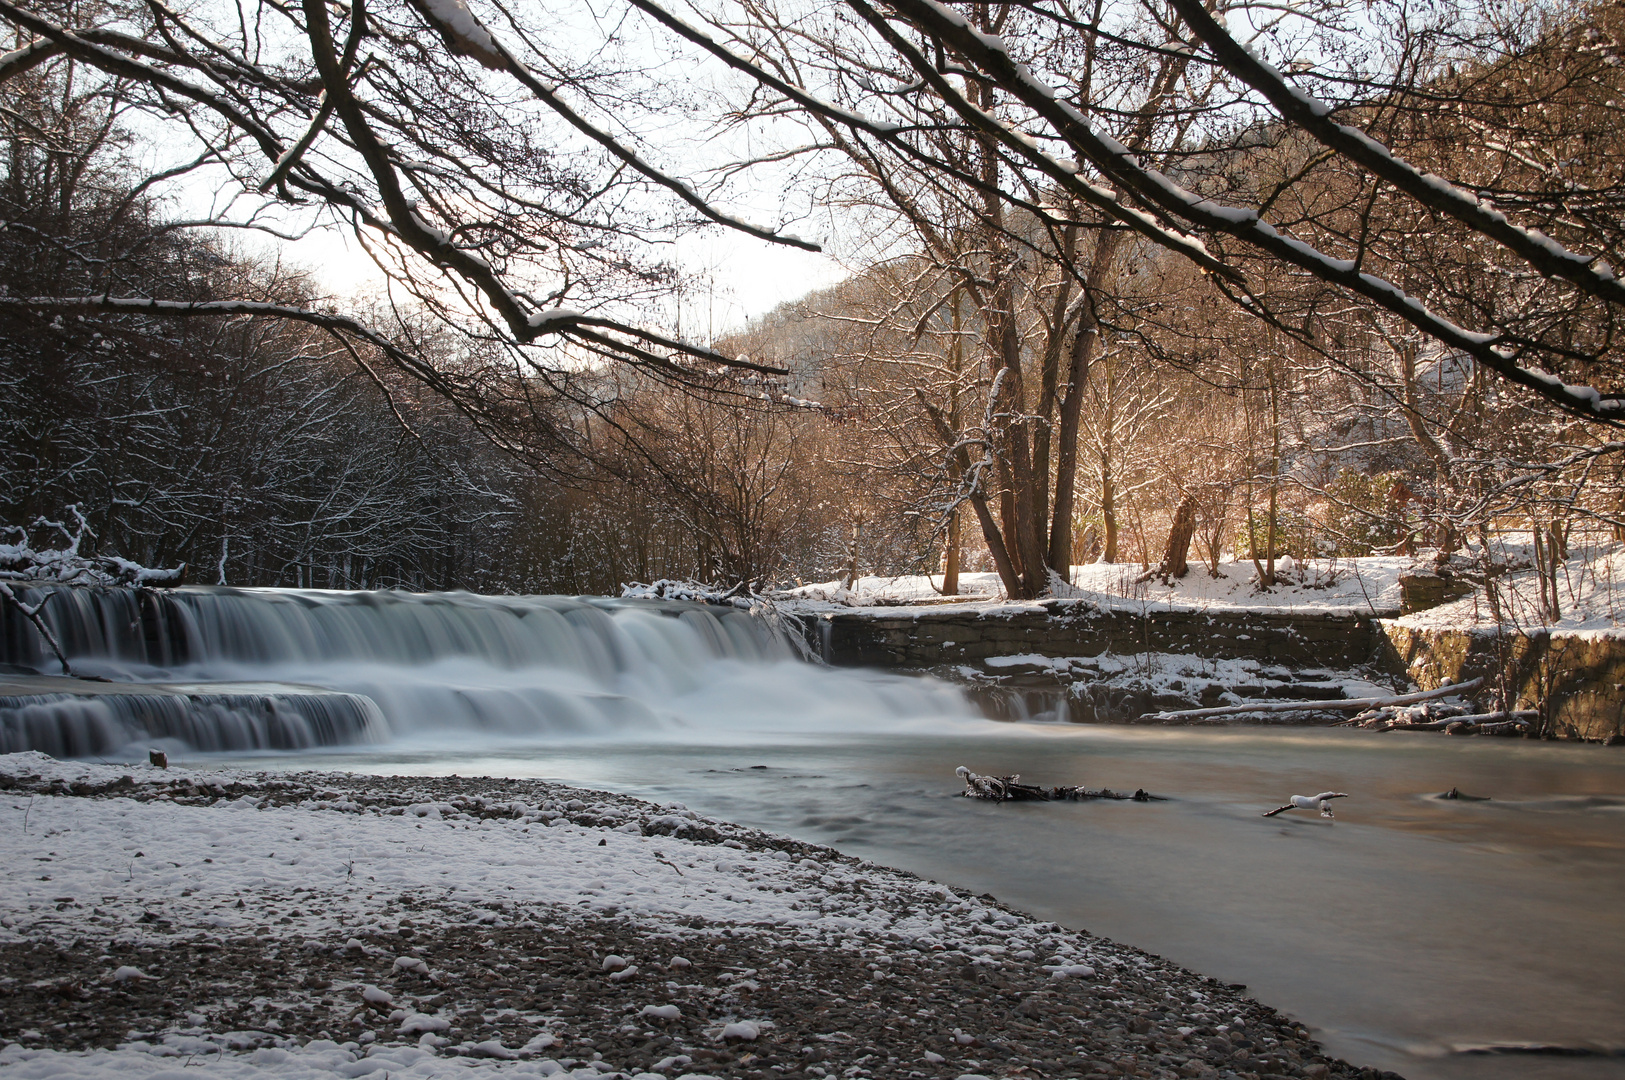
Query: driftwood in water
(1433,717)
(1344,705)
(1468,724)
(1006,789)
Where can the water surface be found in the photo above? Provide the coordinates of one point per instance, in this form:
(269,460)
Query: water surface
(1407,931)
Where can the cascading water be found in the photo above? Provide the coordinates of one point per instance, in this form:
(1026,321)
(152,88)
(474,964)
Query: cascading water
(191,666)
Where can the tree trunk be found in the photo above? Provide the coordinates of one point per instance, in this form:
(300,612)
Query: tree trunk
(1175,557)
(852,556)
(952,541)
(1108,511)
(1084,344)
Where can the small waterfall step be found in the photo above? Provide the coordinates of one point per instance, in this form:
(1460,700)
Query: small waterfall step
(68,717)
(226,669)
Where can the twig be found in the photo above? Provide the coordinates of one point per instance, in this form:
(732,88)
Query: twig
(32,614)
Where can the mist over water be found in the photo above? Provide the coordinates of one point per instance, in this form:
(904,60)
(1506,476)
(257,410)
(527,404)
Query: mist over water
(1406,931)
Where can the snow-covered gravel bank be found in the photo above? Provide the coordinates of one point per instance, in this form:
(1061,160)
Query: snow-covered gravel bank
(188,923)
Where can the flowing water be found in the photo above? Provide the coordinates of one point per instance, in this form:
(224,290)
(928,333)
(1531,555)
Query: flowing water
(1438,938)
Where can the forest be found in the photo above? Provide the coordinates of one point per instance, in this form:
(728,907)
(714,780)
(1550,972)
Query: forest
(1320,281)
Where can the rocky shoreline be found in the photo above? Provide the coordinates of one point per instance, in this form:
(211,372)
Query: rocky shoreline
(954,986)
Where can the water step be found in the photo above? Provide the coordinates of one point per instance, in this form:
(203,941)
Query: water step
(67,717)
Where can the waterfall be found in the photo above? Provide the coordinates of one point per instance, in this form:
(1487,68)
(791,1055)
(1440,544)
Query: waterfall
(218,668)
(90,725)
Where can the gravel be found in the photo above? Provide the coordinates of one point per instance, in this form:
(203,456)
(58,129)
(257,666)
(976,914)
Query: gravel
(538,985)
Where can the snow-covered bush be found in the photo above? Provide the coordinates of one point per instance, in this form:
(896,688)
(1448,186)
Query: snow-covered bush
(785,627)
(66,565)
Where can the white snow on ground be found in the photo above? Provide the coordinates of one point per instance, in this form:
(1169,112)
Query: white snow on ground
(1590,594)
(309,873)
(1369,585)
(1591,590)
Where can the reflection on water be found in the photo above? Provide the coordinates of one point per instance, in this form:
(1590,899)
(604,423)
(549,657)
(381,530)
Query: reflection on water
(1406,930)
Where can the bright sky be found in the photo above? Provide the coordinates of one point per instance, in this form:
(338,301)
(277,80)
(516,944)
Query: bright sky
(739,277)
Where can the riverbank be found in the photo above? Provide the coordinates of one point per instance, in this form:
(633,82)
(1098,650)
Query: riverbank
(342,925)
(1113,648)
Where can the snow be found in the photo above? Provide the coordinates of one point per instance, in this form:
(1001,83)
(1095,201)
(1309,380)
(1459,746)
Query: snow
(465,30)
(316,1060)
(545,320)
(1591,596)
(1366,586)
(225,868)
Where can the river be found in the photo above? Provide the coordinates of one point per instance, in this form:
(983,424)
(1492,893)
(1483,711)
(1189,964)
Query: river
(1409,931)
(1437,938)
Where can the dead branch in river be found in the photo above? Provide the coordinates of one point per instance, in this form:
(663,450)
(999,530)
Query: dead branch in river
(1006,789)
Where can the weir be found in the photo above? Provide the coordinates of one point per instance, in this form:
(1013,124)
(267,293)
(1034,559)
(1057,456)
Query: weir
(69,718)
(336,668)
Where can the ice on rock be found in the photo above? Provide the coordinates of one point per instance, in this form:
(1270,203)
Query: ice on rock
(933,1058)
(374,996)
(491,1048)
(614,963)
(661,1012)
(677,1061)
(740,1031)
(1070,971)
(126,973)
(411,963)
(422,1022)
(679,963)
(624,974)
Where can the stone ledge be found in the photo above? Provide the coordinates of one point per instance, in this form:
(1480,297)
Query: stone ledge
(1078,628)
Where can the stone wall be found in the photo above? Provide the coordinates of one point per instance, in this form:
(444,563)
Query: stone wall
(891,637)
(1580,675)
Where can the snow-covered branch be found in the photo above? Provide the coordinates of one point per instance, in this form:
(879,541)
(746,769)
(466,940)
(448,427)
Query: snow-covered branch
(1168,199)
(1315,117)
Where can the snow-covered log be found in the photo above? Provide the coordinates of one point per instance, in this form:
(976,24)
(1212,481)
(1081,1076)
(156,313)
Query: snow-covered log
(1345,705)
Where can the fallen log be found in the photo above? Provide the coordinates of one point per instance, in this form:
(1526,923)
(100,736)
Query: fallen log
(1403,714)
(1483,721)
(1006,789)
(1345,705)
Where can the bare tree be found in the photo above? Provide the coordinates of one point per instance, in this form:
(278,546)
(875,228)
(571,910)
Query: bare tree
(480,167)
